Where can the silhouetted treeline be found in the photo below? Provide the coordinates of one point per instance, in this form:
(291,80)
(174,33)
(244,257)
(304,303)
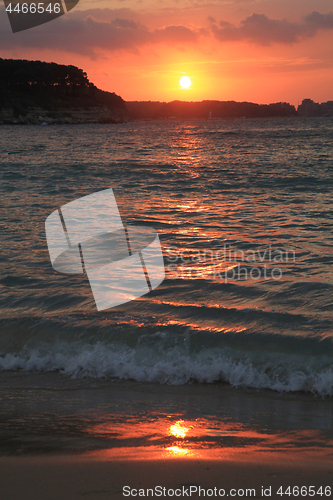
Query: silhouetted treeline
(49,86)
(50,78)
(18,74)
(109,99)
(207,109)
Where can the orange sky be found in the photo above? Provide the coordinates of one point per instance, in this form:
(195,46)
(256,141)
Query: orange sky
(244,50)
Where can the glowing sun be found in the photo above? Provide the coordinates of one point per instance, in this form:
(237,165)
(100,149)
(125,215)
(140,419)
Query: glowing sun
(185,82)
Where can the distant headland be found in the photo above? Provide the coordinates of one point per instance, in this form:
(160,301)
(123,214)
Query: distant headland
(148,110)
(35,92)
(207,109)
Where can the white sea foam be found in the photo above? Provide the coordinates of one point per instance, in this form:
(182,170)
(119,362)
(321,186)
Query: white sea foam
(177,366)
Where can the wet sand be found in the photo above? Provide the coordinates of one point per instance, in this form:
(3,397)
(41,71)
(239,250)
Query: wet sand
(90,478)
(66,439)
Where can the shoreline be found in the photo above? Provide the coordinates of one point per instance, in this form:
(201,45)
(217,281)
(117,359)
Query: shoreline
(70,477)
(48,417)
(160,120)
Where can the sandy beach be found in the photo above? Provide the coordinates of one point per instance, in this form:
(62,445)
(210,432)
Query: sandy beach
(70,477)
(73,439)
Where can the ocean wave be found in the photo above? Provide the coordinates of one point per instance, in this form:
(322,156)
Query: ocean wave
(177,365)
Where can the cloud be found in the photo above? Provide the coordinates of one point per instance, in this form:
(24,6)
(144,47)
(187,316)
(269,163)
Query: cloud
(88,36)
(261,30)
(320,21)
(106,30)
(175,33)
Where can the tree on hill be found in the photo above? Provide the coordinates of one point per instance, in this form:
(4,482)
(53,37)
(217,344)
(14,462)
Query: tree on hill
(17,74)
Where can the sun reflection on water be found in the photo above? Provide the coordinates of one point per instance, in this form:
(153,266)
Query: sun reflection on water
(177,451)
(194,439)
(179,429)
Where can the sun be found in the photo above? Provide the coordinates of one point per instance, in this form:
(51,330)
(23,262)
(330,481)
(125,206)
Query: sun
(185,82)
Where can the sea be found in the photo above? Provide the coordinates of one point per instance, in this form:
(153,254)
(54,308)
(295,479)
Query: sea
(232,351)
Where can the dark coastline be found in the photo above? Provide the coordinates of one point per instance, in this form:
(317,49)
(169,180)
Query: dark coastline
(35,93)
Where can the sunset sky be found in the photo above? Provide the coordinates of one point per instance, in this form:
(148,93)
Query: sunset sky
(244,50)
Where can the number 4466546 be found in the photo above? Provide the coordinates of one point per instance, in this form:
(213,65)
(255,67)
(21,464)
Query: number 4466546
(303,491)
(34,8)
